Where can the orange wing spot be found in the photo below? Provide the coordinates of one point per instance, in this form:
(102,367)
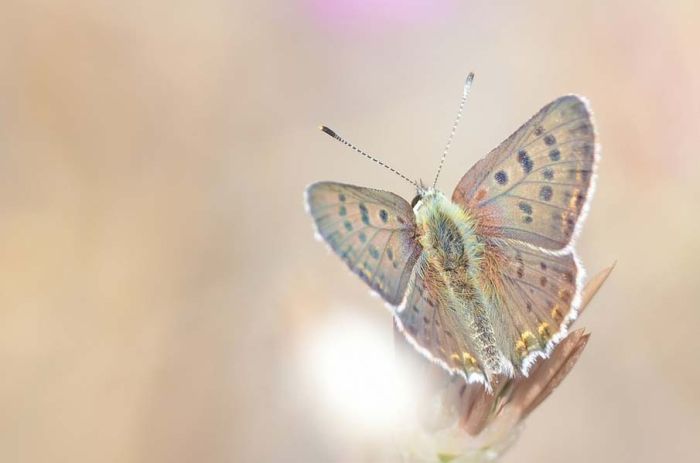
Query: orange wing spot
(527,335)
(573,201)
(556,314)
(468,359)
(565,295)
(480,194)
(544,331)
(527,342)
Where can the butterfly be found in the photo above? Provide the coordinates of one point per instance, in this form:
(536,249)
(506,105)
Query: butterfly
(486,281)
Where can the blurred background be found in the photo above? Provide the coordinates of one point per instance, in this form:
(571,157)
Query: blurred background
(162,298)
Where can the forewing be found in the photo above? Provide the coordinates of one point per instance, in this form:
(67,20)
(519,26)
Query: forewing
(540,294)
(534,187)
(436,329)
(373,231)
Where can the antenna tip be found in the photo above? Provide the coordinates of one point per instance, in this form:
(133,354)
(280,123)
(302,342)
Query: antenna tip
(468,83)
(327,131)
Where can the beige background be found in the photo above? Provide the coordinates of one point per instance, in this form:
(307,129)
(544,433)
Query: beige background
(158,275)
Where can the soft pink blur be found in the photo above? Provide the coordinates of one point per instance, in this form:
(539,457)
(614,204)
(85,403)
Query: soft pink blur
(160,282)
(343,14)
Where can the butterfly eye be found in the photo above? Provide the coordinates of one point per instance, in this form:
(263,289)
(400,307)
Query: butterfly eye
(415,200)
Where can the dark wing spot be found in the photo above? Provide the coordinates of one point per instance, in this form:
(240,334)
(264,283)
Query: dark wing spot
(554,155)
(527,219)
(525,207)
(501,177)
(342,212)
(383,215)
(528,306)
(348,225)
(539,130)
(521,264)
(543,281)
(525,161)
(548,174)
(341,197)
(363,237)
(549,140)
(546,193)
(543,266)
(365,214)
(390,254)
(374,252)
(570,224)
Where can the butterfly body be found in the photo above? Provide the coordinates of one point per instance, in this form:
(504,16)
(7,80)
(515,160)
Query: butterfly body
(450,267)
(486,281)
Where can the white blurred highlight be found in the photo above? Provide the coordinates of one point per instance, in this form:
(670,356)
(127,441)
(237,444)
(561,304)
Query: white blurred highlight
(349,359)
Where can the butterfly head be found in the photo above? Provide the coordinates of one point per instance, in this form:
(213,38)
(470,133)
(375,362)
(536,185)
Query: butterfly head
(426,195)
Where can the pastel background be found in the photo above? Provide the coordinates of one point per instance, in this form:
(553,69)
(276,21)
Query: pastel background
(162,298)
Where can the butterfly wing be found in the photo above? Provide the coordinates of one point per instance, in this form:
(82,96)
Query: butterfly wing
(539,294)
(535,186)
(373,231)
(528,196)
(436,329)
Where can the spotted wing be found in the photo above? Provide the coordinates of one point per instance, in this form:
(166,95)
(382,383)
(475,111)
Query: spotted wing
(436,329)
(373,231)
(534,187)
(538,292)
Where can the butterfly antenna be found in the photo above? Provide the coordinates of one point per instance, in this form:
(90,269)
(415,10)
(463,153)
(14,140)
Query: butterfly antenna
(355,148)
(467,87)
